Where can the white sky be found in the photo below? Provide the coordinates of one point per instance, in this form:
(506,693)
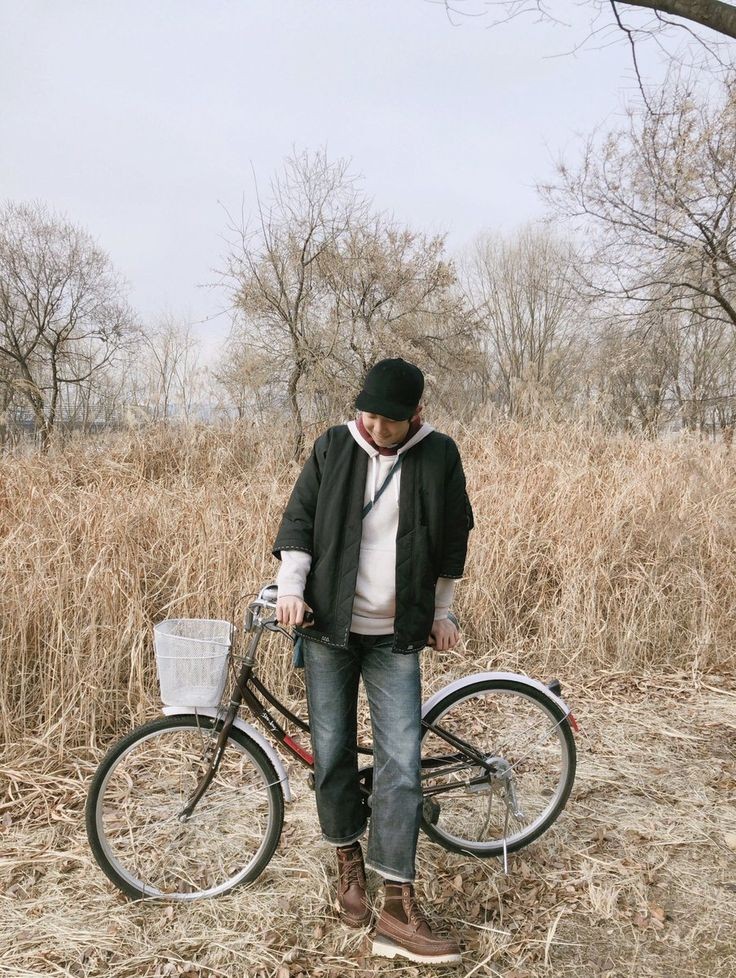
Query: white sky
(141,120)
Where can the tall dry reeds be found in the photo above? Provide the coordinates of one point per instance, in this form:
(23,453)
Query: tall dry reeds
(590,553)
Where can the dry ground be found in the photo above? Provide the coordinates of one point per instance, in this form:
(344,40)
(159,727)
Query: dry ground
(637,878)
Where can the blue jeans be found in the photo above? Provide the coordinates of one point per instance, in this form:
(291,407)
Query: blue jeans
(393,688)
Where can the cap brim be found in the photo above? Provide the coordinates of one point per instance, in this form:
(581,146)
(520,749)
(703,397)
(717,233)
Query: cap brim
(387,409)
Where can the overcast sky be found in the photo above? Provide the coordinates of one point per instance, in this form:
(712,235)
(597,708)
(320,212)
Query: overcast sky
(143,120)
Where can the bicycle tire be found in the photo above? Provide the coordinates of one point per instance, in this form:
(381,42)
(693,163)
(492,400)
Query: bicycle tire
(138,790)
(537,775)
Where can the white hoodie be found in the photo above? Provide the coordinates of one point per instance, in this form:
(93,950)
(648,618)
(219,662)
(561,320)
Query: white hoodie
(374,606)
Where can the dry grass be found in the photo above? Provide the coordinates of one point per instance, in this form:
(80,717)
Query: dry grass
(635,878)
(589,553)
(608,561)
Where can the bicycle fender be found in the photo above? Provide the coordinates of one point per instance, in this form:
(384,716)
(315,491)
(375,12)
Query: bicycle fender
(484,676)
(254,734)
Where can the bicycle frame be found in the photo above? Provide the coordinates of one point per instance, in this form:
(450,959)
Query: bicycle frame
(465,756)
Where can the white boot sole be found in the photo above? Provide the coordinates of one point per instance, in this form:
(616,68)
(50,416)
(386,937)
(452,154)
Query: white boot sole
(384,948)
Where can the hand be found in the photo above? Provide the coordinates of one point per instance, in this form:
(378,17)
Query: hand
(290,610)
(444,635)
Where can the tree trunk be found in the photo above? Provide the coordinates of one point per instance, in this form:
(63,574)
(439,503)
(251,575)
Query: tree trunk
(720,17)
(293,393)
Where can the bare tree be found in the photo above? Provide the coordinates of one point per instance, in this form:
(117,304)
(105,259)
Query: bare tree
(712,14)
(634,367)
(392,289)
(273,271)
(63,314)
(656,201)
(8,379)
(718,16)
(703,357)
(170,369)
(324,287)
(662,368)
(246,381)
(532,321)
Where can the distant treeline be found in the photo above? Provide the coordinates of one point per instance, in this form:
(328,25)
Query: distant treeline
(621,309)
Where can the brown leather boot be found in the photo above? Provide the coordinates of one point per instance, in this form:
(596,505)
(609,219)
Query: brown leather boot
(403,930)
(351,899)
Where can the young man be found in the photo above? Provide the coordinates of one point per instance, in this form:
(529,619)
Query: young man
(372,539)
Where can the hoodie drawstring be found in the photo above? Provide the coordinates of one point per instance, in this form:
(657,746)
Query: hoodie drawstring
(376,467)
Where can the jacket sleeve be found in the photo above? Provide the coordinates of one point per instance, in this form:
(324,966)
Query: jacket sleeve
(458,517)
(297,524)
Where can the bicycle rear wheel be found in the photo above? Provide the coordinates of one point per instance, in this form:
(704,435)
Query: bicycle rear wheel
(137,795)
(498,764)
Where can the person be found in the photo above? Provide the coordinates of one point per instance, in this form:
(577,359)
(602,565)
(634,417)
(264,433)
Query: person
(372,541)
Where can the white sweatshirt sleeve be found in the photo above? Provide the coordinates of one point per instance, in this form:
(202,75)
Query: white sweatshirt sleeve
(443,595)
(292,574)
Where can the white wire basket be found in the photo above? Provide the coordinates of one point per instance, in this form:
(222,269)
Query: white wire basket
(191,656)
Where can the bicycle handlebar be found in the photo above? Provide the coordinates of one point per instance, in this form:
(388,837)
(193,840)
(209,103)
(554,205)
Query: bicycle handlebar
(266,599)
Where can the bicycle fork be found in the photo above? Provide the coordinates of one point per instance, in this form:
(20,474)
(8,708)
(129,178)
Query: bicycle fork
(239,692)
(212,767)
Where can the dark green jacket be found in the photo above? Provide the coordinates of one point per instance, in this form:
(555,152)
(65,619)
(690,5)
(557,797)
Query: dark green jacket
(323,517)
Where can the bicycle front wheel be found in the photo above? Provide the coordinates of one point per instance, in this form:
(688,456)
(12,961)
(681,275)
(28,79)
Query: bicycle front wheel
(498,764)
(137,795)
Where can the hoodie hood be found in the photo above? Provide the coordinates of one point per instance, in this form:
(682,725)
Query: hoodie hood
(373,454)
(425,430)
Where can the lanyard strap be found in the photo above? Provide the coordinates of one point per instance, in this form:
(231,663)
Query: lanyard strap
(371,503)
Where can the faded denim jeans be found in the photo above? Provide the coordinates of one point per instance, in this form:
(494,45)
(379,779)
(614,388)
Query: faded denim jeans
(393,688)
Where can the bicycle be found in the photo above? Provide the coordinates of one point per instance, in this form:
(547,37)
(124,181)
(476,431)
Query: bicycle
(191,804)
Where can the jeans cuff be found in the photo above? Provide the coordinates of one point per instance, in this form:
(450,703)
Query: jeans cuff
(388,874)
(347,840)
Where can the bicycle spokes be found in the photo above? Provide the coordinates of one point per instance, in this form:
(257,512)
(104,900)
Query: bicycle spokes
(506,768)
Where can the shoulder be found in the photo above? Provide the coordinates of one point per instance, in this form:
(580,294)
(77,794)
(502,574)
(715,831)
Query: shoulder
(441,445)
(334,437)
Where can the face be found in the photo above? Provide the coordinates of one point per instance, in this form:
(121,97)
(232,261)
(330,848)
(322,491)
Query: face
(384,431)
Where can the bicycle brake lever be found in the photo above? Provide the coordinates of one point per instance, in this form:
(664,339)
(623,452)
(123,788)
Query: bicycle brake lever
(273,626)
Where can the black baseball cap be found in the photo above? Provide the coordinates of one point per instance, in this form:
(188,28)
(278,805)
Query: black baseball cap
(392,388)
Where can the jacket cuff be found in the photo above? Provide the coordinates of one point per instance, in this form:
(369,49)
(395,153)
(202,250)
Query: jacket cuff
(292,575)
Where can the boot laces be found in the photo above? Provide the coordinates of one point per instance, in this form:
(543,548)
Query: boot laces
(414,912)
(352,871)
